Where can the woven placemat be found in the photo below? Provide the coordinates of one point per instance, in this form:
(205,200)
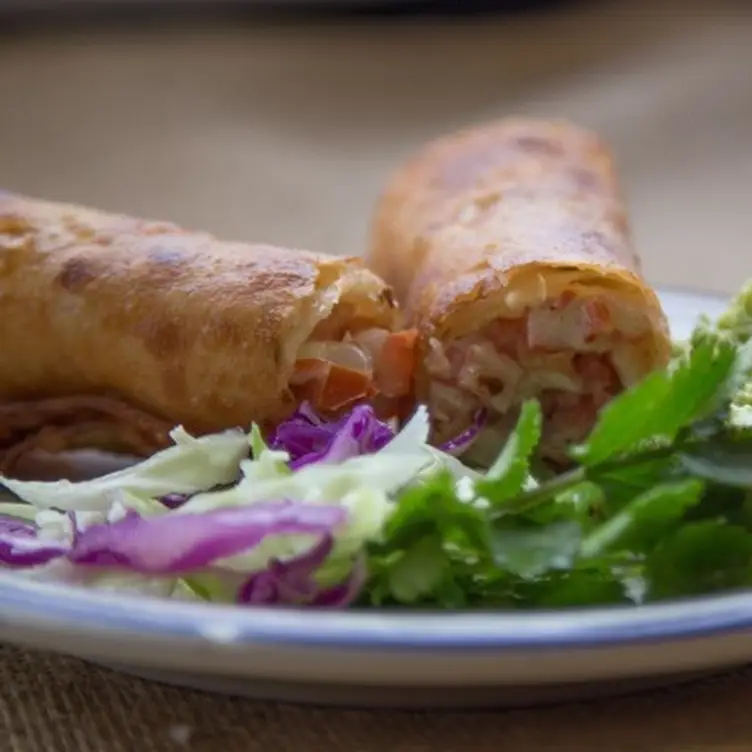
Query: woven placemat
(54,704)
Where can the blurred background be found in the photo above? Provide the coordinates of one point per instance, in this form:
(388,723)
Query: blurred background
(280,122)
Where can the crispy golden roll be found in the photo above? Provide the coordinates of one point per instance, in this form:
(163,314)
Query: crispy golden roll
(113,330)
(509,246)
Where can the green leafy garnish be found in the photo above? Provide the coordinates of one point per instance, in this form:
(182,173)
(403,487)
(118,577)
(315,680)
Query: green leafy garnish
(725,461)
(508,474)
(657,503)
(642,522)
(531,552)
(662,404)
(700,558)
(258,445)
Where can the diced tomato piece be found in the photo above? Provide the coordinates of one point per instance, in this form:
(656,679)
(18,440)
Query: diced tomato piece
(330,386)
(396,364)
(563,300)
(508,335)
(344,386)
(597,319)
(309,369)
(327,386)
(308,379)
(598,376)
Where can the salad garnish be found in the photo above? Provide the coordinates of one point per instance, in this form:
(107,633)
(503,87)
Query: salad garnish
(656,504)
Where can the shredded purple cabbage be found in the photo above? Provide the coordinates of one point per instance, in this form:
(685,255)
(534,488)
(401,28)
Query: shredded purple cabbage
(20,546)
(292,582)
(174,500)
(339,596)
(174,544)
(171,544)
(460,444)
(307,438)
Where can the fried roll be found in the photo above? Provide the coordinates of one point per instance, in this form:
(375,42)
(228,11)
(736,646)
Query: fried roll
(114,329)
(509,246)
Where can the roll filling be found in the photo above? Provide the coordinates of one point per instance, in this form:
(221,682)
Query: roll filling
(573,354)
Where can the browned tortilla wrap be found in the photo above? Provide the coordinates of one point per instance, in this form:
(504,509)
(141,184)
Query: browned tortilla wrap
(115,329)
(496,220)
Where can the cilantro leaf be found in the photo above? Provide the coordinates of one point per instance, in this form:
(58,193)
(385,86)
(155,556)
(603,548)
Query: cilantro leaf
(741,375)
(737,319)
(423,508)
(582,503)
(641,522)
(663,403)
(419,570)
(725,460)
(258,445)
(431,538)
(595,586)
(700,558)
(529,552)
(507,476)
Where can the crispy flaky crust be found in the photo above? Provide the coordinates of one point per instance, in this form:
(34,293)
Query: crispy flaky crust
(492,219)
(185,327)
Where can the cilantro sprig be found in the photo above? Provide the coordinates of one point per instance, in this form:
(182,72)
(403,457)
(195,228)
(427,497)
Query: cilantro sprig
(657,503)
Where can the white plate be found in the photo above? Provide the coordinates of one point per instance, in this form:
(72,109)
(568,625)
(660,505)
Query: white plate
(391,658)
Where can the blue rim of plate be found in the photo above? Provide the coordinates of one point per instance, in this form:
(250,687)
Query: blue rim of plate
(51,607)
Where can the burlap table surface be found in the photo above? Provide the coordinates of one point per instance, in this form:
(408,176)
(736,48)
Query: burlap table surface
(53,704)
(285,133)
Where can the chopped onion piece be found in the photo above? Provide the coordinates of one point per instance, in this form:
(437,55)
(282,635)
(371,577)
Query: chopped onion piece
(346,354)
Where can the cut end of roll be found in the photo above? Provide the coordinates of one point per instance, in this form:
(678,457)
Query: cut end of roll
(509,246)
(574,351)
